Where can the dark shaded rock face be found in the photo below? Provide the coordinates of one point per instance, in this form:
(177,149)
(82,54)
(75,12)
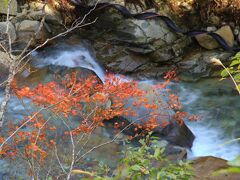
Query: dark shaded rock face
(204,167)
(177,134)
(174,133)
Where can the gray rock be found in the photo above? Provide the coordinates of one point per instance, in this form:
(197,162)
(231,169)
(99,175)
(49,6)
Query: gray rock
(172,51)
(211,28)
(11,31)
(4,59)
(142,32)
(127,63)
(27,29)
(133,31)
(198,63)
(28,25)
(5,62)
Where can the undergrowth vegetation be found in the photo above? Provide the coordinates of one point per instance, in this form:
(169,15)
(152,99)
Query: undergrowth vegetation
(148,161)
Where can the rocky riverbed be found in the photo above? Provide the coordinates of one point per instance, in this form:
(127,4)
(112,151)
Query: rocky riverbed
(142,50)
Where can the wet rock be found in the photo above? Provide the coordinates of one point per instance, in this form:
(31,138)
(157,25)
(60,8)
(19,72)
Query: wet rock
(11,31)
(170,52)
(4,7)
(144,61)
(204,167)
(197,64)
(208,42)
(127,64)
(152,71)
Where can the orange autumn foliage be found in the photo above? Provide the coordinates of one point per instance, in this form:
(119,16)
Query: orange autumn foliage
(86,98)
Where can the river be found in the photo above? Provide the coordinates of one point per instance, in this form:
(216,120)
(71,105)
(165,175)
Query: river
(214,101)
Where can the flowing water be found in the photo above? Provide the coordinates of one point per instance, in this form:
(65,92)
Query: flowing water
(212,100)
(218,106)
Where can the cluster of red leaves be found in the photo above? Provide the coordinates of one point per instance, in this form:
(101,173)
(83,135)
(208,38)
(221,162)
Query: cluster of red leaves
(93,102)
(32,141)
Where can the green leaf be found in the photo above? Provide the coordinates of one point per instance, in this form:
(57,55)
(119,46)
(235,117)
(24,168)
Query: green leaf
(227,170)
(224,73)
(237,78)
(136,167)
(235,62)
(235,162)
(237,56)
(157,153)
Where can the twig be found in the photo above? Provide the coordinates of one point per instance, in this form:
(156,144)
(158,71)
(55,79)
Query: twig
(15,67)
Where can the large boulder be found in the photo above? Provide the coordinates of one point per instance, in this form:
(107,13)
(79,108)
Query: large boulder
(30,28)
(133,31)
(142,31)
(198,64)
(205,167)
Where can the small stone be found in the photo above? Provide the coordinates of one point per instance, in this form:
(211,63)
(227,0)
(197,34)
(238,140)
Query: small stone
(208,42)
(211,28)
(236,30)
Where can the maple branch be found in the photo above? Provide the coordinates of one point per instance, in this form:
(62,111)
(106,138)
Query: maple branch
(15,65)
